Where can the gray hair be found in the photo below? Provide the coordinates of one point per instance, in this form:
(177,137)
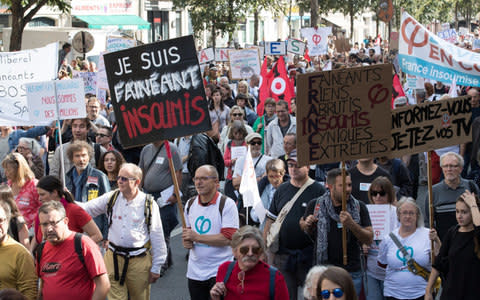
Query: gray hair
(456,155)
(31,144)
(247,232)
(134,169)
(412,201)
(52,205)
(275,165)
(309,280)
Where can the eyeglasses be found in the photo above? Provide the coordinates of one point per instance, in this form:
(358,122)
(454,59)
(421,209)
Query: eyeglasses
(205,178)
(450,166)
(338,292)
(245,249)
(237,115)
(123,178)
(259,143)
(241,285)
(375,193)
(407,213)
(52,223)
(101,135)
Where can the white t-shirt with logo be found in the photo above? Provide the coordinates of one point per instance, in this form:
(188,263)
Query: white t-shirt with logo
(204,260)
(399,282)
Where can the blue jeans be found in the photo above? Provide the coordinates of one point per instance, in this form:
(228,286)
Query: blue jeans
(357,281)
(374,289)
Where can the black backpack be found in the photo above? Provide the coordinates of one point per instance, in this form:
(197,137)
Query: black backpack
(78,249)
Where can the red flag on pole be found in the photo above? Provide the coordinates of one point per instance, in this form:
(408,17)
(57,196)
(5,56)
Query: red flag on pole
(264,91)
(280,85)
(397,89)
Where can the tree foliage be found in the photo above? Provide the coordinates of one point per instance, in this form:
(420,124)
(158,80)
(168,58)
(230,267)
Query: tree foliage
(23,12)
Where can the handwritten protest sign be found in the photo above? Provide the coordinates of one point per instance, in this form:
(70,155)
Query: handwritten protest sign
(42,102)
(275,48)
(221,54)
(449,35)
(16,70)
(431,125)
(380,217)
(343,114)
(244,63)
(89,81)
(206,55)
(157,91)
(426,55)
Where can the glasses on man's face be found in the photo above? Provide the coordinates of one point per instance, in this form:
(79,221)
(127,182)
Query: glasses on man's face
(338,292)
(123,178)
(408,213)
(203,178)
(375,193)
(52,223)
(101,135)
(245,249)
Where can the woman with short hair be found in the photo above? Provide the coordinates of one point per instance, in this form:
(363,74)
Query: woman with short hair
(336,283)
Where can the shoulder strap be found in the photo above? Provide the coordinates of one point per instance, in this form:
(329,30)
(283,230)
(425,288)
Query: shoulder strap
(39,251)
(189,203)
(221,205)
(273,273)
(153,160)
(259,159)
(229,272)
(286,208)
(79,248)
(147,212)
(110,204)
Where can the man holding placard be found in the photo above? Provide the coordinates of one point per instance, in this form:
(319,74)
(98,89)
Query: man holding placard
(324,220)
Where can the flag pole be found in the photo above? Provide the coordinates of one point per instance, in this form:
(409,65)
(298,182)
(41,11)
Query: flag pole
(344,208)
(175,182)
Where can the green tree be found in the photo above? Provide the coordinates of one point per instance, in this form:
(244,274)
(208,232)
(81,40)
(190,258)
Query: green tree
(256,6)
(23,12)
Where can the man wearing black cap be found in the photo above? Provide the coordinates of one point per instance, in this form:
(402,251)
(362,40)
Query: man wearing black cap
(288,206)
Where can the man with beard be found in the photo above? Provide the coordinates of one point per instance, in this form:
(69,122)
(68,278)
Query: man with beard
(68,263)
(324,220)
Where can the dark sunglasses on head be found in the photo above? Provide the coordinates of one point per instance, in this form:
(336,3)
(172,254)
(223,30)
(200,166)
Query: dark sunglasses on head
(245,249)
(336,292)
(375,193)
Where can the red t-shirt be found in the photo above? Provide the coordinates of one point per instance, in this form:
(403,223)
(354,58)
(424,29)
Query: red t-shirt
(77,218)
(256,283)
(63,274)
(27,201)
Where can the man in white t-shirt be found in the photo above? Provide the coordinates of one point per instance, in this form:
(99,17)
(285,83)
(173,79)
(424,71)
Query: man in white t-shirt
(211,220)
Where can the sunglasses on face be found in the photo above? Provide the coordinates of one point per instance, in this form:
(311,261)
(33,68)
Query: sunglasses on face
(237,115)
(123,178)
(256,143)
(336,292)
(375,193)
(245,249)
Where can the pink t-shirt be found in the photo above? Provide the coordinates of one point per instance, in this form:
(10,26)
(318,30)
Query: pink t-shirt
(27,201)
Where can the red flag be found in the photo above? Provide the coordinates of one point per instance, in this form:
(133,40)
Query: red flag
(280,85)
(306,56)
(264,91)
(397,90)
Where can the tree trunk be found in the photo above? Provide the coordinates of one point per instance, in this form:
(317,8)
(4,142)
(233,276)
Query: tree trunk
(352,18)
(18,24)
(214,35)
(456,15)
(313,13)
(255,27)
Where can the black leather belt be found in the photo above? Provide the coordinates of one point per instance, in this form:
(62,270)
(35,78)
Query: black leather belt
(125,253)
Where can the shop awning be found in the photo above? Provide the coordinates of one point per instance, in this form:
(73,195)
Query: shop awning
(126,22)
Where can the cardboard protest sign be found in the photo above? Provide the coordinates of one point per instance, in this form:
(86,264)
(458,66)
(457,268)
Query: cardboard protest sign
(89,80)
(449,35)
(244,63)
(426,55)
(42,102)
(275,48)
(221,54)
(206,55)
(342,45)
(431,125)
(157,91)
(343,114)
(116,43)
(16,70)
(296,46)
(380,217)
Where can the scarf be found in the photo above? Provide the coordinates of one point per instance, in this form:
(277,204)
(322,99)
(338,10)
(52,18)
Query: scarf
(326,212)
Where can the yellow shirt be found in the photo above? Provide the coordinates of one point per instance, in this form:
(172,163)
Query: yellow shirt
(17,269)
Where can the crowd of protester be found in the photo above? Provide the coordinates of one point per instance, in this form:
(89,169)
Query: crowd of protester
(123,200)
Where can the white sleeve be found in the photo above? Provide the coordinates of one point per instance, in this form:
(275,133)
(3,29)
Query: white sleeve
(97,206)
(159,248)
(230,214)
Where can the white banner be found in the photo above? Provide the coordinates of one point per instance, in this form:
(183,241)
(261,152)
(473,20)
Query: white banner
(296,46)
(426,55)
(221,54)
(275,48)
(41,100)
(89,79)
(206,55)
(380,217)
(317,39)
(17,69)
(244,63)
(117,43)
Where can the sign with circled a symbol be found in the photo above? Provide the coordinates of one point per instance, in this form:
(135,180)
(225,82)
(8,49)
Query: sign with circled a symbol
(203,225)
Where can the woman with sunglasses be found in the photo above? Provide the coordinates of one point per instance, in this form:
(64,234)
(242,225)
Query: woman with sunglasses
(236,114)
(336,283)
(110,163)
(459,257)
(400,282)
(381,192)
(51,188)
(22,181)
(248,277)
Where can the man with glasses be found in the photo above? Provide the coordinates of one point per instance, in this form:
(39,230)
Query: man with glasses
(278,128)
(65,270)
(324,220)
(447,191)
(248,277)
(294,255)
(17,270)
(93,112)
(211,220)
(136,248)
(104,136)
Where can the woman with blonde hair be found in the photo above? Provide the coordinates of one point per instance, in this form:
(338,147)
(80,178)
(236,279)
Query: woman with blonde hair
(17,228)
(236,113)
(22,181)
